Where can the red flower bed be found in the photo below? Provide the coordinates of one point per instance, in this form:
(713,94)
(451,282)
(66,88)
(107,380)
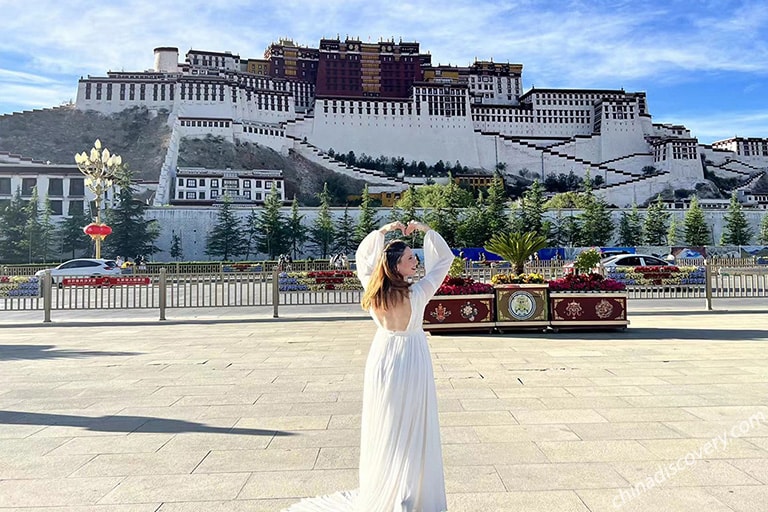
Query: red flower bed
(463,286)
(665,269)
(585,283)
(331,273)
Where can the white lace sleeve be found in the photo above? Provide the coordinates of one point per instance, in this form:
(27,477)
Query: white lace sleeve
(368,253)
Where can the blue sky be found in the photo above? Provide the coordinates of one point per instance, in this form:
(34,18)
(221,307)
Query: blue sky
(703,63)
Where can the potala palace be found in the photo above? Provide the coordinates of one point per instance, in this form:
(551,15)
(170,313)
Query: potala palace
(388,99)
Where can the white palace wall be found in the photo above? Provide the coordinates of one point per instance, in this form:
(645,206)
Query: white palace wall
(424,137)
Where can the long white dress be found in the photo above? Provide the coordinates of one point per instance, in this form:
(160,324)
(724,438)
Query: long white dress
(401,461)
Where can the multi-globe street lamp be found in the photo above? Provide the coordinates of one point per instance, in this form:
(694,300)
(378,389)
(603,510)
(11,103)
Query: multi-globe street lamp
(99,168)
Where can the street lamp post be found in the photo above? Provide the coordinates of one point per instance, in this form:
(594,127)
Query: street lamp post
(99,168)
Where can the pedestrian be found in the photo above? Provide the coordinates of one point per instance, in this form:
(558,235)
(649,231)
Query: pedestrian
(401,463)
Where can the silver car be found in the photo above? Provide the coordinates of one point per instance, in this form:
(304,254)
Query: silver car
(82,267)
(632,260)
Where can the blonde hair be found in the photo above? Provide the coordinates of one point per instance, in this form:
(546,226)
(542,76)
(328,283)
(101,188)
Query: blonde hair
(386,287)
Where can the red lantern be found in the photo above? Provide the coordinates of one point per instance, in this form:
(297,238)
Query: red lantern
(97,231)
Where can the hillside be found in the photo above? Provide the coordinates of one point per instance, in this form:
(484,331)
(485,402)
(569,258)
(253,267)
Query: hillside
(56,134)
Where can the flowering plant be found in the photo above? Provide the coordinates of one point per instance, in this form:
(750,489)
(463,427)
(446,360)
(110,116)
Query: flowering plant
(463,286)
(530,278)
(585,283)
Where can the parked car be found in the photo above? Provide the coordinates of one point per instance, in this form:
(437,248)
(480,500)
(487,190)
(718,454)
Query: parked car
(83,267)
(633,260)
(625,260)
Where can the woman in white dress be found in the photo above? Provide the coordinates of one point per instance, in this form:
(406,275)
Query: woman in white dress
(401,462)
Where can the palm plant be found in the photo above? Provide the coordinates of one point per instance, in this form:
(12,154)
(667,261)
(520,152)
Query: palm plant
(516,248)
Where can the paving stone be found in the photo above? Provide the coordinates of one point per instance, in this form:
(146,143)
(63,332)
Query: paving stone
(550,477)
(255,414)
(163,488)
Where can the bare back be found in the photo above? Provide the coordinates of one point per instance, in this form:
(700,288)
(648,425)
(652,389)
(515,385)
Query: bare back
(396,318)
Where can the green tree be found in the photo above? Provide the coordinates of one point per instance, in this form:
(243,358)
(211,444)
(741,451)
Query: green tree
(226,238)
(177,252)
(655,226)
(13,245)
(251,231)
(496,221)
(533,208)
(271,228)
(366,222)
(70,232)
(33,228)
(762,236)
(344,241)
(322,232)
(408,205)
(48,240)
(673,231)
(631,228)
(736,229)
(696,231)
(472,230)
(596,222)
(132,234)
(297,231)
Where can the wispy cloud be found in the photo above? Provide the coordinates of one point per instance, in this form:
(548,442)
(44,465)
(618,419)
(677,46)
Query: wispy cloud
(561,43)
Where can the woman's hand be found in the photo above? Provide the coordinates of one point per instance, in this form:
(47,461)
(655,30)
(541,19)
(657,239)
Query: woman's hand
(416,226)
(393,226)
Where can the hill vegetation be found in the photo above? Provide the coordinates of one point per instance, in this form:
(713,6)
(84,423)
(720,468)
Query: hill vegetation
(56,134)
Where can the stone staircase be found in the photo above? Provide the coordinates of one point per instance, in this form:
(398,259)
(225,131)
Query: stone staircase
(316,155)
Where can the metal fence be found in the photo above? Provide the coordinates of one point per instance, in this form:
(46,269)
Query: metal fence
(164,290)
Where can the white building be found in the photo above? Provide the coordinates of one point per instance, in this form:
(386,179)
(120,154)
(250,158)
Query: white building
(477,115)
(205,187)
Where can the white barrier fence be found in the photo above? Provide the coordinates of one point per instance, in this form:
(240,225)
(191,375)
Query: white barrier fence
(163,291)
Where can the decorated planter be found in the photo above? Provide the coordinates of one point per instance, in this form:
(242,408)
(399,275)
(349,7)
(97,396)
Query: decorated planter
(596,309)
(459,313)
(521,305)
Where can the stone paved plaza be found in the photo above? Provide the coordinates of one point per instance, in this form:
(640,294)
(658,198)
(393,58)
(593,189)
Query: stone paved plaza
(234,411)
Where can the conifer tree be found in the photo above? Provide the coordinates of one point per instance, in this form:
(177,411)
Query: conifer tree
(271,228)
(74,241)
(515,221)
(322,231)
(533,208)
(655,226)
(13,240)
(696,230)
(496,204)
(297,231)
(631,228)
(763,234)
(251,231)
(472,230)
(34,228)
(176,251)
(595,221)
(48,240)
(226,238)
(736,229)
(366,222)
(344,241)
(408,205)
(132,234)
(673,231)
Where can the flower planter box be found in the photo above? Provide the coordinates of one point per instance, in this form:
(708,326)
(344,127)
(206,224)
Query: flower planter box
(459,313)
(521,305)
(600,309)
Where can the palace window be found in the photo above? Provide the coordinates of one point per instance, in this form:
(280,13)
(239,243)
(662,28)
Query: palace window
(55,187)
(191,195)
(191,183)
